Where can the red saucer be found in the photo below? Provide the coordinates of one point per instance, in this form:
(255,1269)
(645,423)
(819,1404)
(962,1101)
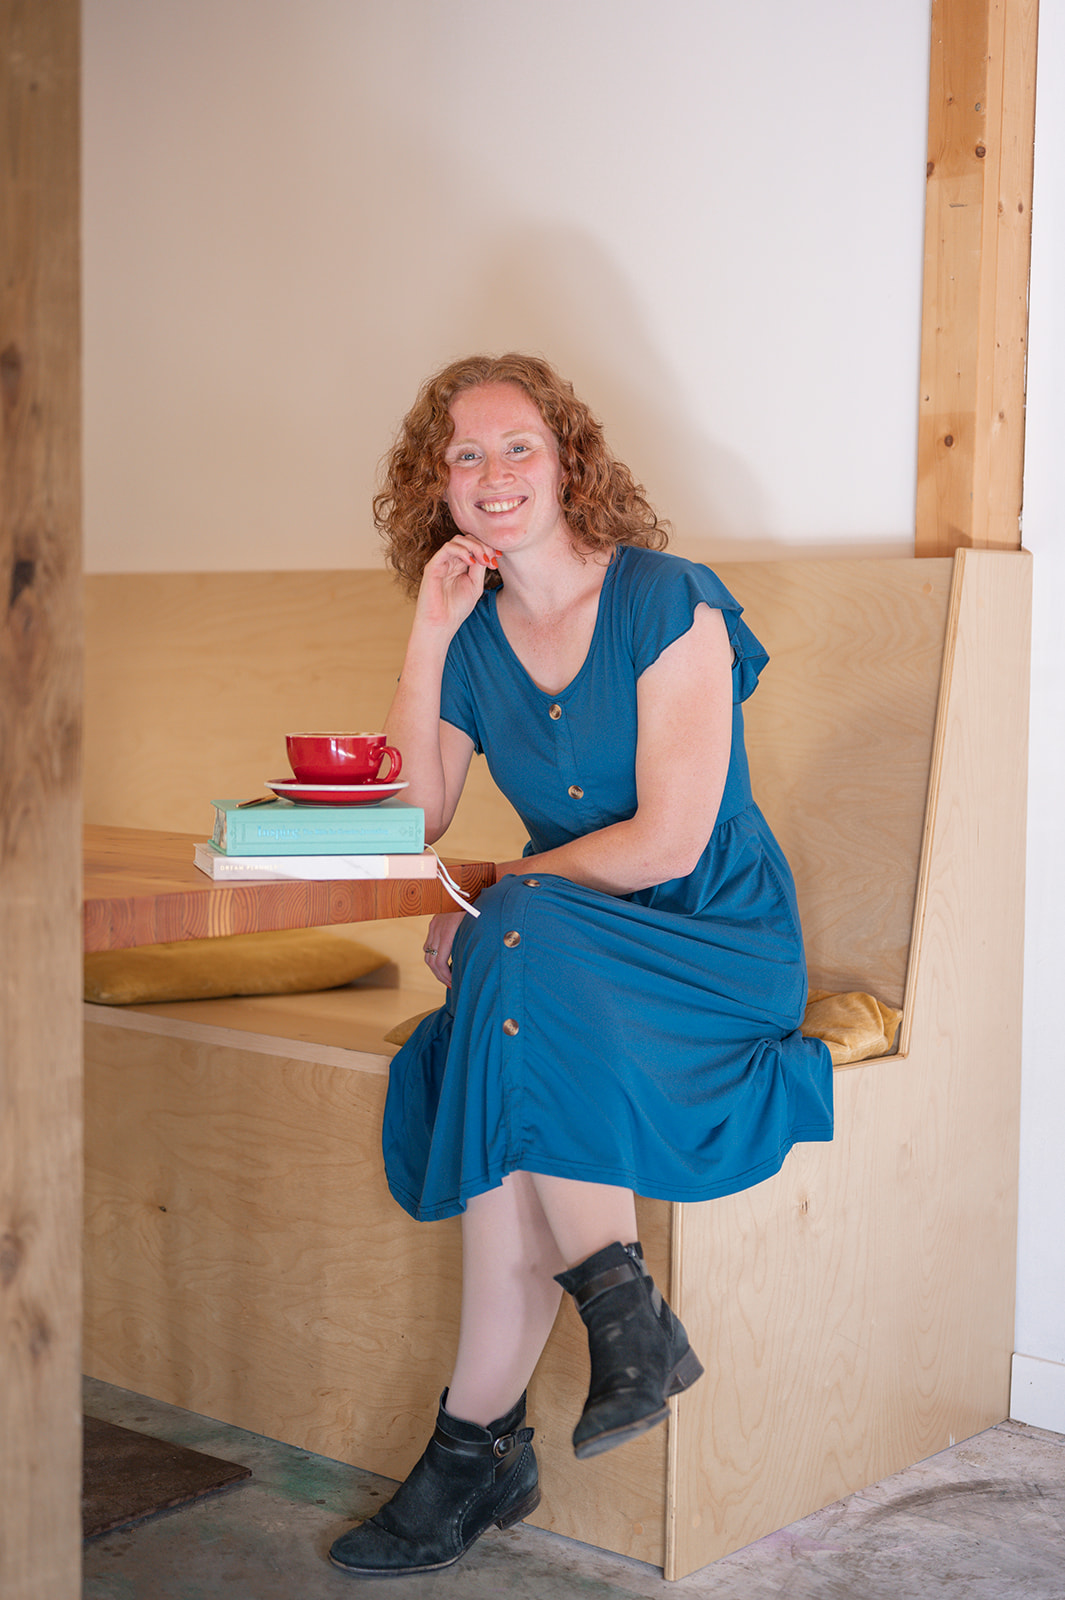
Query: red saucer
(334,794)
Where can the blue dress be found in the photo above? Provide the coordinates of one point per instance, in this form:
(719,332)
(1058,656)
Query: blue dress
(647,1040)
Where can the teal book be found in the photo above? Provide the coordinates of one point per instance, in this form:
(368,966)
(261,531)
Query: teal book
(282,828)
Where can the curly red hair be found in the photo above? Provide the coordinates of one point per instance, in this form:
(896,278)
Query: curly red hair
(603,504)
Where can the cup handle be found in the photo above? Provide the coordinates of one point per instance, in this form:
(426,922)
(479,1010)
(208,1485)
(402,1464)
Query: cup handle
(395,765)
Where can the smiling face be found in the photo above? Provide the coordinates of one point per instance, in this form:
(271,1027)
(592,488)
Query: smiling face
(504,474)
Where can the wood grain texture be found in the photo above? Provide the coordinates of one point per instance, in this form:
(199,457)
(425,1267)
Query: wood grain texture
(839,739)
(854,1312)
(192,681)
(858,1308)
(977,248)
(40,728)
(848,720)
(332,1026)
(245,1260)
(141,887)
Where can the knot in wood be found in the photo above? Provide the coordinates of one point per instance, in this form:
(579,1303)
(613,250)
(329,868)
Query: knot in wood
(22,575)
(10,1258)
(10,373)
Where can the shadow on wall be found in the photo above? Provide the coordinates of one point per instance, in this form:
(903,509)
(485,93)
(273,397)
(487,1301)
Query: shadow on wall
(575,306)
(290,277)
(554,291)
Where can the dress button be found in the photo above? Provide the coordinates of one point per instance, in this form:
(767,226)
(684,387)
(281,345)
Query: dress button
(512,938)
(554,712)
(531,883)
(510,1027)
(576,792)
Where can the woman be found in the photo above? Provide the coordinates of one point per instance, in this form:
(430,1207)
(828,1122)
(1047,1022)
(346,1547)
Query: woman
(622,1016)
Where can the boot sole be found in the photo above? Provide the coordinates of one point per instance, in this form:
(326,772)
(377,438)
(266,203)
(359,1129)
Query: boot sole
(517,1513)
(686,1372)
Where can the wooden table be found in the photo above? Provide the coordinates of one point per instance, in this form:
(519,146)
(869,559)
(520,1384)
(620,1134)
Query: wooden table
(141,887)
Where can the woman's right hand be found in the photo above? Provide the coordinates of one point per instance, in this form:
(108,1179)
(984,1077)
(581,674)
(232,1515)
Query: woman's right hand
(453,582)
(438,942)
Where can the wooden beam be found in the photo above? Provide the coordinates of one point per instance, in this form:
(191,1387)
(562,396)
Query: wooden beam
(974,341)
(40,834)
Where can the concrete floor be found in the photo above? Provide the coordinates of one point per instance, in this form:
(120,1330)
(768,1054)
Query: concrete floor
(982,1521)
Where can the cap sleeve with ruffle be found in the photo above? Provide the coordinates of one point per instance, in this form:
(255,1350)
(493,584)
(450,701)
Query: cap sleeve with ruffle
(664,592)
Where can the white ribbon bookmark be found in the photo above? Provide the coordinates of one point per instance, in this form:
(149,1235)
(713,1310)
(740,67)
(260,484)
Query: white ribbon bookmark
(460,896)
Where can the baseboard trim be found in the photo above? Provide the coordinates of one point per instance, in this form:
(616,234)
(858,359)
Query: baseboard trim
(1037,1393)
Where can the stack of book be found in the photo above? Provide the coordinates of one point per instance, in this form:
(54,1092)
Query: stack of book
(279,839)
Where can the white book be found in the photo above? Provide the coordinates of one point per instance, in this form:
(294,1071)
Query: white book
(252,869)
(269,869)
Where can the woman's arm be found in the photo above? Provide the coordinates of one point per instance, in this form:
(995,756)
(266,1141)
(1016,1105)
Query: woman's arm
(436,756)
(684,708)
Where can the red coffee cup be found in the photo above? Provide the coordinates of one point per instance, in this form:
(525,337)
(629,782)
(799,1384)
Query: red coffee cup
(351,758)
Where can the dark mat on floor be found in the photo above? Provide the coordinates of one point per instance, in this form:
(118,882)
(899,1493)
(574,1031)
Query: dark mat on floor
(128,1476)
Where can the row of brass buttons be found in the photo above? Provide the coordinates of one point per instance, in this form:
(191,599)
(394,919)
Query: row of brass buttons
(575,790)
(511,939)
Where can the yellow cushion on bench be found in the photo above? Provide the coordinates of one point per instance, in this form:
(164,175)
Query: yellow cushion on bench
(854,1026)
(288,962)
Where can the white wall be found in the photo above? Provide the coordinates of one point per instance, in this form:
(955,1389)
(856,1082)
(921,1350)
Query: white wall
(710,216)
(1039,1367)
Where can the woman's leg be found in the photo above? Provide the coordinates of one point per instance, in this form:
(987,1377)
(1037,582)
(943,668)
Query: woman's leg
(509,1299)
(638,1350)
(585,1217)
(514,1240)
(479,1466)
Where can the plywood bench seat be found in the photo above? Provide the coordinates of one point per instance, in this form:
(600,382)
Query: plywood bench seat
(354,1020)
(854,1313)
(358,1017)
(354,1017)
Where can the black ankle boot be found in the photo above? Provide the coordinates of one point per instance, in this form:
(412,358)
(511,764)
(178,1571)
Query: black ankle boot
(639,1351)
(468,1478)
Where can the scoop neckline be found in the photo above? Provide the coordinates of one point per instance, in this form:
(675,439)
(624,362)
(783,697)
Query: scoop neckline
(556,696)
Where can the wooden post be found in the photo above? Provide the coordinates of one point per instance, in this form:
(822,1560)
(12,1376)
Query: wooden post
(40,773)
(981,129)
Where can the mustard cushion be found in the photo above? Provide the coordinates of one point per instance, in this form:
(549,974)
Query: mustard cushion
(286,962)
(403,1030)
(854,1026)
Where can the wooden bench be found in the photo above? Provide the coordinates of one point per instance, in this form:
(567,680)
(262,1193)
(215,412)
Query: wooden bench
(855,1313)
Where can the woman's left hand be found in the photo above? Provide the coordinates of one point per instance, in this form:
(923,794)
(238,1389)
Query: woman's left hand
(438,942)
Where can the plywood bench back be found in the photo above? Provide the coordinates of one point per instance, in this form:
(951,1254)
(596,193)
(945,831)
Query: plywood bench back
(840,736)
(192,680)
